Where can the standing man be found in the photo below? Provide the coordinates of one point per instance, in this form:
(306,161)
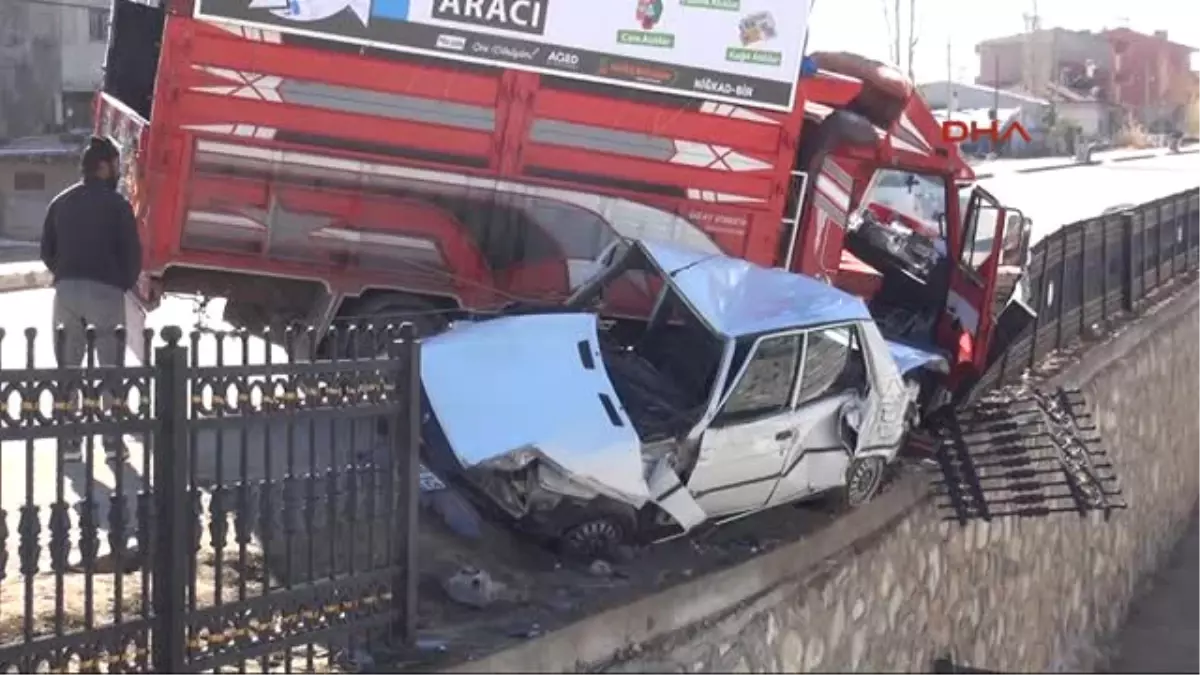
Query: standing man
(90,245)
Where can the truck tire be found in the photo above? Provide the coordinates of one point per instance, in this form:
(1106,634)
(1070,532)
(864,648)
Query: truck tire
(427,317)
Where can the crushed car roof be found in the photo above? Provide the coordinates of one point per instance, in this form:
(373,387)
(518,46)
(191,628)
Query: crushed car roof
(736,297)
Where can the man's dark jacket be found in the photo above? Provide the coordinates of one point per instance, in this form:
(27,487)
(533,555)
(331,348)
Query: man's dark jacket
(90,233)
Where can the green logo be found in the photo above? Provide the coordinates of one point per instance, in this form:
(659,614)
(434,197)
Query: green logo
(728,5)
(649,13)
(756,56)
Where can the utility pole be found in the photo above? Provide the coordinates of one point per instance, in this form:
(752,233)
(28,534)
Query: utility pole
(896,14)
(995,85)
(912,35)
(949,82)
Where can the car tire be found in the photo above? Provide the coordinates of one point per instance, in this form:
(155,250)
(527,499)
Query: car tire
(595,529)
(864,478)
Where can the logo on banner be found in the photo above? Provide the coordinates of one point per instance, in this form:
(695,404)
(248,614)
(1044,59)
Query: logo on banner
(306,11)
(648,14)
(524,16)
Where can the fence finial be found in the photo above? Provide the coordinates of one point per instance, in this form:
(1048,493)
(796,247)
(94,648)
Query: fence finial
(172,335)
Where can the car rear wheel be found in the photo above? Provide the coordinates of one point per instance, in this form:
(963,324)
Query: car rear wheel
(864,477)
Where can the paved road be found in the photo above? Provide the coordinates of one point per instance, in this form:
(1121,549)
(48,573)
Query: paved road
(1160,632)
(1009,165)
(1055,198)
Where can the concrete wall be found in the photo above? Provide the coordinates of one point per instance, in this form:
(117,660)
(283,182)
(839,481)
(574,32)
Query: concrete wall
(882,594)
(22,211)
(30,71)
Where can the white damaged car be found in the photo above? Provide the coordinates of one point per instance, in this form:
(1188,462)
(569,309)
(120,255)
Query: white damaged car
(711,388)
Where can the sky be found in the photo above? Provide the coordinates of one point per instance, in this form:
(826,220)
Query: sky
(859,26)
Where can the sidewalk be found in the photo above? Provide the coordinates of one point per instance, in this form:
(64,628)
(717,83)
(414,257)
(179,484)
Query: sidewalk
(994,168)
(1160,632)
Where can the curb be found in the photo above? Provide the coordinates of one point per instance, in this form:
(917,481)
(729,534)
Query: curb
(26,280)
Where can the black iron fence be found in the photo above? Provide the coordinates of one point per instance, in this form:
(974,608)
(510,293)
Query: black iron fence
(1097,272)
(256,514)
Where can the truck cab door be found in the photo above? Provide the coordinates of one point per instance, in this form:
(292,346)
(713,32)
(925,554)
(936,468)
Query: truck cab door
(1012,304)
(966,322)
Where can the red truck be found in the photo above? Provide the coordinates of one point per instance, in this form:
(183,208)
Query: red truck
(308,177)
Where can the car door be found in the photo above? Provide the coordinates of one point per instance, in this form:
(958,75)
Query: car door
(744,447)
(833,373)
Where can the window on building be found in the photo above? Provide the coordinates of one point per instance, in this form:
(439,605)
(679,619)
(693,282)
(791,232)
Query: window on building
(29,181)
(98,25)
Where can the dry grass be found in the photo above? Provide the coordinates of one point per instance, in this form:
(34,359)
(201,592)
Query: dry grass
(1135,136)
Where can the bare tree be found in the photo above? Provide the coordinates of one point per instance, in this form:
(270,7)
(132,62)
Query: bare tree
(893,31)
(913,36)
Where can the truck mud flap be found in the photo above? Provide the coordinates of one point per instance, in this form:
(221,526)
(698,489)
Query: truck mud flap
(1024,455)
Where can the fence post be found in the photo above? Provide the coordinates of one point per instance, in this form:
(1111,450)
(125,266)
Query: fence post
(1062,276)
(406,462)
(172,548)
(1127,265)
(1039,318)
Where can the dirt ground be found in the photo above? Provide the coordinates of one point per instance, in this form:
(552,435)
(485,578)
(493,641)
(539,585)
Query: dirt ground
(542,592)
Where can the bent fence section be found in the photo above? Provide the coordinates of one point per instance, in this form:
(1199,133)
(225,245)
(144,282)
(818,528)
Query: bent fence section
(1095,272)
(258,514)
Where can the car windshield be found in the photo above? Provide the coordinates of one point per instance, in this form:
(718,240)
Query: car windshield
(660,355)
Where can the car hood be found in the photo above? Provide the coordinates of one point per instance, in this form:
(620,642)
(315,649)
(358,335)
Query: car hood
(512,383)
(909,358)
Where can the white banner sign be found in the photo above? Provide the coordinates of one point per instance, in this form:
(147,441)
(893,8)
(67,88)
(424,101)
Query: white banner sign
(741,51)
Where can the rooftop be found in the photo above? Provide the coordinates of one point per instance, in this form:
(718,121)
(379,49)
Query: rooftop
(56,145)
(940,85)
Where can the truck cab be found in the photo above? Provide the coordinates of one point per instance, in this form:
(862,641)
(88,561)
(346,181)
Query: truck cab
(892,214)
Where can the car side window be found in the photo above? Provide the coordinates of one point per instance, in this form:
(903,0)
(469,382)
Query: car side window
(833,363)
(765,387)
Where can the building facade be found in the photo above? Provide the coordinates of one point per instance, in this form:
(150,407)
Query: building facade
(51,63)
(1030,62)
(1148,76)
(83,36)
(1153,79)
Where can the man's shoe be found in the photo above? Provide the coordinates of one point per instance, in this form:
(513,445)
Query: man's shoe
(70,449)
(115,450)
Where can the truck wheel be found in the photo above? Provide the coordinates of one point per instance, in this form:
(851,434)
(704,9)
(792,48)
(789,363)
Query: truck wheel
(428,318)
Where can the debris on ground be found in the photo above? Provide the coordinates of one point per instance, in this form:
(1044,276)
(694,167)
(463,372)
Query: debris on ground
(474,588)
(600,568)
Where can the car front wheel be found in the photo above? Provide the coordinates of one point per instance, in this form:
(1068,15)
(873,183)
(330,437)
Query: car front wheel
(864,477)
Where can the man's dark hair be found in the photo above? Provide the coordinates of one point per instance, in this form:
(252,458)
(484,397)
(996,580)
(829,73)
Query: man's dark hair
(99,149)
